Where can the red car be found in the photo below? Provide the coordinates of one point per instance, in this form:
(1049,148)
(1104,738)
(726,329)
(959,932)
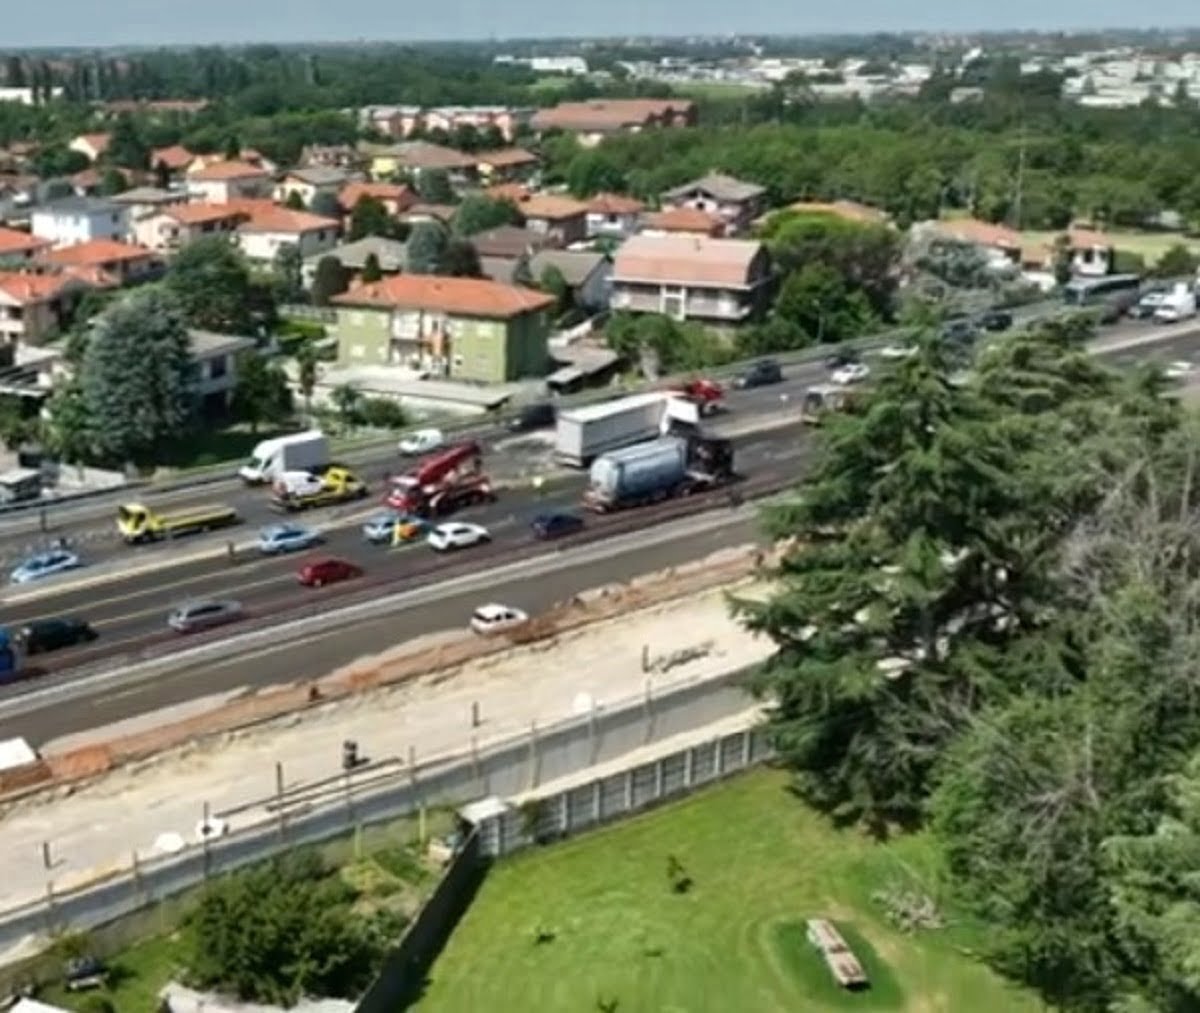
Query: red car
(327,571)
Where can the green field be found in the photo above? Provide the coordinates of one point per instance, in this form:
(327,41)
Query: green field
(761,863)
(1148,245)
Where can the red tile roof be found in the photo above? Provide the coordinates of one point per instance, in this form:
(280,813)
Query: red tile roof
(200,213)
(614,204)
(390,193)
(14,241)
(1081,238)
(96,251)
(266,216)
(175,157)
(515,192)
(684,220)
(551,207)
(506,157)
(225,170)
(32,288)
(696,260)
(969,230)
(471,297)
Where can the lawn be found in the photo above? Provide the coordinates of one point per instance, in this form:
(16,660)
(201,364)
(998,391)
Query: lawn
(761,863)
(1148,245)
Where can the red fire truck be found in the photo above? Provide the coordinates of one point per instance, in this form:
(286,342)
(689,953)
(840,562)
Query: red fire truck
(442,483)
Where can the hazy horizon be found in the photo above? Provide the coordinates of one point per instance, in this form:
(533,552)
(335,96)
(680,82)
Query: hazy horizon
(77,23)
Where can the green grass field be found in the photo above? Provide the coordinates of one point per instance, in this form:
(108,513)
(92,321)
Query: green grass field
(761,863)
(1148,245)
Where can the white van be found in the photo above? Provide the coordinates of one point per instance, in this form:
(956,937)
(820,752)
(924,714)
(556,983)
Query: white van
(298,452)
(1177,305)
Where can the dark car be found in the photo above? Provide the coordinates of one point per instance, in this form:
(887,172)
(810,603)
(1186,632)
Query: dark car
(759,374)
(996,320)
(328,571)
(534,416)
(840,359)
(43,635)
(546,526)
(959,329)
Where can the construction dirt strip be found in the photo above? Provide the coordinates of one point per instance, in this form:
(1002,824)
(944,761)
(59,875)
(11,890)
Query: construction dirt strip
(90,805)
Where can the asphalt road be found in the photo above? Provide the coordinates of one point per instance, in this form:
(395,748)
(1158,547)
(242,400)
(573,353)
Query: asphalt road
(321,651)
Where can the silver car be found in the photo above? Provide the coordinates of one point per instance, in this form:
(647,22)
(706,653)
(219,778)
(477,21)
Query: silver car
(202,615)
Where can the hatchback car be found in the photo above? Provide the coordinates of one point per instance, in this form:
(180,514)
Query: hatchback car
(556,525)
(44,635)
(493,618)
(759,374)
(281,538)
(45,564)
(328,571)
(392,527)
(203,615)
(457,535)
(423,441)
(996,320)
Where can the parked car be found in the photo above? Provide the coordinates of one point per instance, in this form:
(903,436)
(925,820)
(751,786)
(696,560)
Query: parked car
(996,320)
(762,373)
(281,538)
(897,351)
(328,571)
(856,372)
(203,615)
(556,525)
(488,619)
(457,535)
(534,416)
(45,564)
(1146,306)
(42,635)
(423,441)
(392,526)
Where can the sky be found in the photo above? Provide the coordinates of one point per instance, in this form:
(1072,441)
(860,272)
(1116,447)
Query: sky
(125,22)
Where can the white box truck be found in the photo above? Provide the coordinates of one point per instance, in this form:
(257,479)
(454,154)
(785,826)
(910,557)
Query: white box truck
(298,452)
(583,434)
(1177,305)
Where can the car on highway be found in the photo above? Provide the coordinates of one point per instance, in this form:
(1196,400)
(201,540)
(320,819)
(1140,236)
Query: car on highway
(328,571)
(45,564)
(391,527)
(896,350)
(457,535)
(1179,370)
(855,372)
(1145,307)
(423,441)
(762,373)
(959,329)
(204,614)
(556,525)
(840,359)
(531,417)
(281,538)
(493,618)
(42,635)
(995,320)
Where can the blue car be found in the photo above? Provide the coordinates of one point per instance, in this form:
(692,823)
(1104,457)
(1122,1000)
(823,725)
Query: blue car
(546,526)
(45,564)
(280,538)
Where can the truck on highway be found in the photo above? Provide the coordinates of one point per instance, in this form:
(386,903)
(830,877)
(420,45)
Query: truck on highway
(708,395)
(1176,306)
(307,451)
(582,434)
(657,470)
(303,490)
(822,398)
(138,524)
(443,483)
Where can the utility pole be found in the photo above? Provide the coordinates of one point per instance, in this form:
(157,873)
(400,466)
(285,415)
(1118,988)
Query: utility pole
(1020,194)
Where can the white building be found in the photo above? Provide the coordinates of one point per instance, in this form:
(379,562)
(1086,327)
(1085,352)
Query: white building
(79,220)
(222,182)
(270,227)
(308,183)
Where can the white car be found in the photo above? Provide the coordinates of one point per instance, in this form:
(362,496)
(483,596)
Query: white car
(457,535)
(495,618)
(423,441)
(1178,370)
(46,564)
(854,372)
(897,351)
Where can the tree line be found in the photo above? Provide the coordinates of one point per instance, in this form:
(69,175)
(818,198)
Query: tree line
(985,619)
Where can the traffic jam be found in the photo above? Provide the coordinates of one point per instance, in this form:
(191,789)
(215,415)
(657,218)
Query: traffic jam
(637,450)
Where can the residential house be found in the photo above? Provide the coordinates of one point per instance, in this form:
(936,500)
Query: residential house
(268,227)
(223,182)
(588,275)
(735,202)
(332,156)
(687,221)
(215,369)
(146,200)
(177,225)
(175,159)
(506,270)
(34,307)
(126,263)
(1092,252)
(595,119)
(463,328)
(514,193)
(508,242)
(613,216)
(443,214)
(391,255)
(509,165)
(561,219)
(92,146)
(88,182)
(716,281)
(17,247)
(309,183)
(411,158)
(395,197)
(251,156)
(401,122)
(998,243)
(79,220)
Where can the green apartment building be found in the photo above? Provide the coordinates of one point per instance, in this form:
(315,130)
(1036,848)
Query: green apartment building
(467,329)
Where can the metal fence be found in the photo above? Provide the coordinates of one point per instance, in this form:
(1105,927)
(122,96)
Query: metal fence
(392,787)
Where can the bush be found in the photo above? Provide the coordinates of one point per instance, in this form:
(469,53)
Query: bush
(382,413)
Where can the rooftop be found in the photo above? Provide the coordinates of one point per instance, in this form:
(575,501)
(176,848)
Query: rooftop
(205,344)
(698,260)
(397,193)
(608,114)
(14,241)
(76,205)
(174,157)
(423,155)
(391,253)
(96,251)
(148,195)
(266,216)
(551,207)
(476,297)
(507,241)
(25,288)
(200,213)
(684,220)
(614,204)
(720,186)
(506,157)
(217,172)
(576,266)
(318,175)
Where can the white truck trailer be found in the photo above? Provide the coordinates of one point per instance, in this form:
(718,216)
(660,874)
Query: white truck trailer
(298,452)
(583,434)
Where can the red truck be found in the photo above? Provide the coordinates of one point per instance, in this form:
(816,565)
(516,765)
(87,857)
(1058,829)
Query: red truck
(443,483)
(708,394)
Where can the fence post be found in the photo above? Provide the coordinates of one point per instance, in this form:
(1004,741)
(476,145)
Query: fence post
(746,748)
(533,755)
(718,764)
(689,759)
(629,790)
(658,779)
(46,863)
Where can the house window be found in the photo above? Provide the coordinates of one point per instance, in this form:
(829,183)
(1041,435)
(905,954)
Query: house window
(218,367)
